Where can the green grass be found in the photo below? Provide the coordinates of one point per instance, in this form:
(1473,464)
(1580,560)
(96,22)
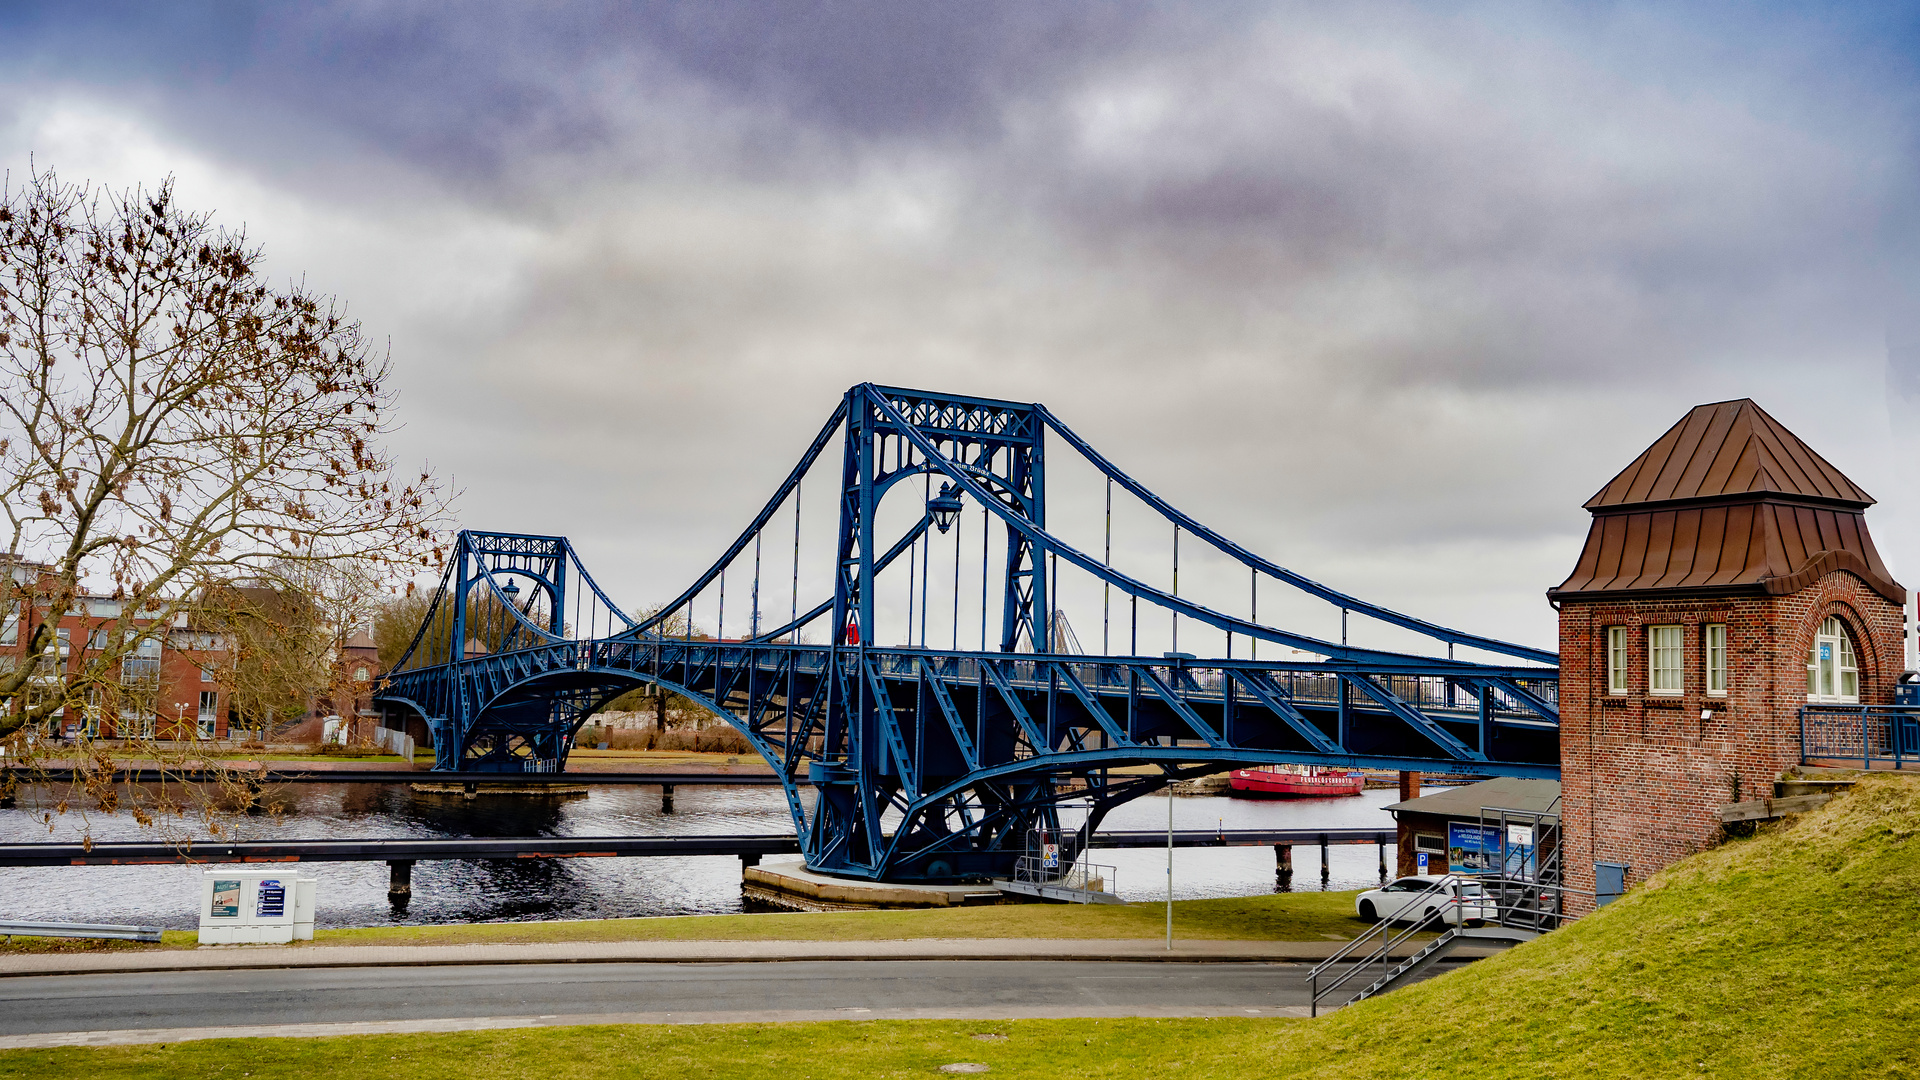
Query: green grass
(1787,955)
(1285,917)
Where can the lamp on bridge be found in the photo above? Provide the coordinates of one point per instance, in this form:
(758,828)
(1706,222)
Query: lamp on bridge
(511,589)
(945,507)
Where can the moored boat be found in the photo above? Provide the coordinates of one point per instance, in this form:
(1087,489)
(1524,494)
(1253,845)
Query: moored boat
(1294,782)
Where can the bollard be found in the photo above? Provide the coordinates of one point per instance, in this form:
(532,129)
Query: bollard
(666,798)
(1325,873)
(1383,860)
(1283,865)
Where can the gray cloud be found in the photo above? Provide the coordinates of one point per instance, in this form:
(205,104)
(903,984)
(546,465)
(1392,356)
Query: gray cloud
(1383,291)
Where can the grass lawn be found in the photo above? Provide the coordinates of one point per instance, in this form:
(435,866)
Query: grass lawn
(1285,917)
(1786,955)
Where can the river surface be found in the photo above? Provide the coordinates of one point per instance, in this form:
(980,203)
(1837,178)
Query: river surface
(355,894)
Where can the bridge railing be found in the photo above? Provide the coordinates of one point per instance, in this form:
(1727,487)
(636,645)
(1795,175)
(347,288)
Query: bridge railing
(1863,733)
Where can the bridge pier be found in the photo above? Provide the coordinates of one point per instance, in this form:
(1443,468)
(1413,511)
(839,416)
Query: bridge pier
(749,858)
(399,882)
(1283,866)
(666,798)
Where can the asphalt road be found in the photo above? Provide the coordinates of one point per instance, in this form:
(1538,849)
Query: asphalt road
(616,991)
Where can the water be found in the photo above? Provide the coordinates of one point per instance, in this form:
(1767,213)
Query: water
(355,894)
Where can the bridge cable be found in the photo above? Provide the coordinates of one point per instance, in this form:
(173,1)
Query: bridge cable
(1298,581)
(1106,587)
(986,531)
(926,566)
(1039,536)
(793,610)
(956,588)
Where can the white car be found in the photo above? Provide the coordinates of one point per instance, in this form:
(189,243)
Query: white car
(1460,901)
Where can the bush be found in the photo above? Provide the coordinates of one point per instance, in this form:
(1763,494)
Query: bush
(719,739)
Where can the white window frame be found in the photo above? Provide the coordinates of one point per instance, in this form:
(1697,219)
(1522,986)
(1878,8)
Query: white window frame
(1666,656)
(1828,675)
(1713,647)
(1617,660)
(208,716)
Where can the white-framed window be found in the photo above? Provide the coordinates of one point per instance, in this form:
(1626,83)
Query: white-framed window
(209,706)
(10,630)
(1665,666)
(1616,659)
(360,673)
(1714,640)
(1833,671)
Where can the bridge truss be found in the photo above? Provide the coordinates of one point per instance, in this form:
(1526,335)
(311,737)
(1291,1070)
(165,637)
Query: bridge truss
(907,760)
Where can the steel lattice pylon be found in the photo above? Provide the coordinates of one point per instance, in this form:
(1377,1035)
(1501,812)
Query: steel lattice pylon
(931,763)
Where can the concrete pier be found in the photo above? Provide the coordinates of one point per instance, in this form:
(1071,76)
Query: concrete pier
(786,884)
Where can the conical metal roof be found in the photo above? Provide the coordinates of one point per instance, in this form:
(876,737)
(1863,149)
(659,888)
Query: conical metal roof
(1728,448)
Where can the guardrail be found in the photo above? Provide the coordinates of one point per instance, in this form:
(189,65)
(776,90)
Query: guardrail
(18,928)
(1863,733)
(110,853)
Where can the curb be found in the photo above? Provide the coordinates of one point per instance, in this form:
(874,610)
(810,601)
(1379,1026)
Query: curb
(264,961)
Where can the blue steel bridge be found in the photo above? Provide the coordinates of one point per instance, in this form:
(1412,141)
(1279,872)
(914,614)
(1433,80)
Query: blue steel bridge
(936,757)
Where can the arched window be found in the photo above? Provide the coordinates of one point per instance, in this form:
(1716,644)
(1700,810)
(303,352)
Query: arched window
(1833,672)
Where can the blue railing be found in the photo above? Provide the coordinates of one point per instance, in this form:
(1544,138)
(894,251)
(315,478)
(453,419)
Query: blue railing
(1863,733)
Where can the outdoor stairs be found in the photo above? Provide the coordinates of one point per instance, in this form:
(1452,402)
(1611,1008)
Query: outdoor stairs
(1798,790)
(1433,951)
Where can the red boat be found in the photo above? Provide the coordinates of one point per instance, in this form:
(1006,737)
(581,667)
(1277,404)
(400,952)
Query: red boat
(1294,782)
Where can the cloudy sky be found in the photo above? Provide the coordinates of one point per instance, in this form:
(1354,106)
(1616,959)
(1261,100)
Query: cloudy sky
(1383,291)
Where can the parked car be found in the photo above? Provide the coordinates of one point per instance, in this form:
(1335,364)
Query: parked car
(1412,898)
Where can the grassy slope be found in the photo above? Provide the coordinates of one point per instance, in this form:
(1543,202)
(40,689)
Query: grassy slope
(1787,955)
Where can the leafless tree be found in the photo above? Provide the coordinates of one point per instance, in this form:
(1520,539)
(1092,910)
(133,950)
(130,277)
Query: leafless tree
(171,422)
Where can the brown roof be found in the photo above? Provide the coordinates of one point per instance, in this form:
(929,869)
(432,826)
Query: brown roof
(1499,793)
(1728,448)
(1726,503)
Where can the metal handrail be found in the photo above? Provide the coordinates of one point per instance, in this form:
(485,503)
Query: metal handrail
(1386,922)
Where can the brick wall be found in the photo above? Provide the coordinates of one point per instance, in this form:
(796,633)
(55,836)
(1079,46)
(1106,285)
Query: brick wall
(1642,774)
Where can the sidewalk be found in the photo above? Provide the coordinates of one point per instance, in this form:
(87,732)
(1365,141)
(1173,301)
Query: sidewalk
(227,957)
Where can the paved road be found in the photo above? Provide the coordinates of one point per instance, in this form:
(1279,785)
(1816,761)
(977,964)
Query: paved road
(579,993)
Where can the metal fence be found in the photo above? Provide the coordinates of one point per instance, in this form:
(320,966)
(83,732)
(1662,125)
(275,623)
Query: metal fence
(1080,876)
(1863,733)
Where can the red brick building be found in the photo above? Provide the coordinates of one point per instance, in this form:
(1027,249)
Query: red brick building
(165,685)
(1728,580)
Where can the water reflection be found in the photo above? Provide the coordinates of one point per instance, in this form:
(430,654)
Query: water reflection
(355,894)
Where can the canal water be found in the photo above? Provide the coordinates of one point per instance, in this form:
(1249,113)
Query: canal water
(355,894)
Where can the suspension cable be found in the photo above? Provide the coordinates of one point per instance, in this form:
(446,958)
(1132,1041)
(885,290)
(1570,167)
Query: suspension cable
(1106,587)
(793,609)
(1176,584)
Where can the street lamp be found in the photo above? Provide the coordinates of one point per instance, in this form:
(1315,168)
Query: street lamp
(945,507)
(511,589)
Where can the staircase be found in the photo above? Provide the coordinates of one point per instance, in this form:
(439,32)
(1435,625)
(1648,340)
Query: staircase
(1437,949)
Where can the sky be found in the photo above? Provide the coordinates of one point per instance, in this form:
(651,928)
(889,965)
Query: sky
(1382,291)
